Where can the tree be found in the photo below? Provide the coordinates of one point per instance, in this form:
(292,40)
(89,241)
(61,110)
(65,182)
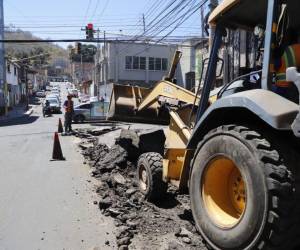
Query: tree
(87,51)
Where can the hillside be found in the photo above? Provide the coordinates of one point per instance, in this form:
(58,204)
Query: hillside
(57,53)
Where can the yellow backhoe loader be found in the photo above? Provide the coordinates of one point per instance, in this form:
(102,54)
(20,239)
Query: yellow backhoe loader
(237,155)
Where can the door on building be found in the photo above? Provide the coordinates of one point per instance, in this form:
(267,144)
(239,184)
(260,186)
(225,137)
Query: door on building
(190,81)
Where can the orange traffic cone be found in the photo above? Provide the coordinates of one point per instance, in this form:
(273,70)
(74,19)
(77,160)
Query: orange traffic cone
(57,154)
(60,126)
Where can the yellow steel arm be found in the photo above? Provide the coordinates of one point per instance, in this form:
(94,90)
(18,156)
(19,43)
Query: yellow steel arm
(168,90)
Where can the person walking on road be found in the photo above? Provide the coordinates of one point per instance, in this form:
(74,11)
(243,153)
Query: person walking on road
(69,110)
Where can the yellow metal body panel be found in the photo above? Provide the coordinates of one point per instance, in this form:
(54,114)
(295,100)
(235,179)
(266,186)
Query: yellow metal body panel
(124,102)
(178,133)
(243,14)
(224,6)
(176,166)
(175,61)
(169,90)
(177,157)
(175,163)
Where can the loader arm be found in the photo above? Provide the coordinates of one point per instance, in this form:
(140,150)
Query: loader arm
(172,71)
(169,93)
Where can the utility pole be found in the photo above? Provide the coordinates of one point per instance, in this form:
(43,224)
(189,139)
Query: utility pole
(96,64)
(81,68)
(105,64)
(3,84)
(212,5)
(202,21)
(144,23)
(27,90)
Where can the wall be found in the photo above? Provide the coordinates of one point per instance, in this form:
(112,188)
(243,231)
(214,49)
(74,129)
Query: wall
(12,79)
(115,69)
(82,72)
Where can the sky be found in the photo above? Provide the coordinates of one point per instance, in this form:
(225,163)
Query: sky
(62,19)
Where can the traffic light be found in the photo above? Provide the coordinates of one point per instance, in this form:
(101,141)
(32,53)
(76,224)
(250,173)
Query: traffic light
(78,48)
(89,31)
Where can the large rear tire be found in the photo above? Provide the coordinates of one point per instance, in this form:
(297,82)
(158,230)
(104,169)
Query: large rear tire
(243,191)
(149,175)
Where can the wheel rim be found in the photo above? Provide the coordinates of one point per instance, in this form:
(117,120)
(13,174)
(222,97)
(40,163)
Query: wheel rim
(224,192)
(143,178)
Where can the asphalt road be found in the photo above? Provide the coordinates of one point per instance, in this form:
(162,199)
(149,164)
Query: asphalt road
(46,204)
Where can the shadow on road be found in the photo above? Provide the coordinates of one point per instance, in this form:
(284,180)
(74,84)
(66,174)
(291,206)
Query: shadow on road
(168,202)
(19,121)
(186,215)
(35,101)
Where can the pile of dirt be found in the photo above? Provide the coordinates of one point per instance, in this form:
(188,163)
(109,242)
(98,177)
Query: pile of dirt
(164,225)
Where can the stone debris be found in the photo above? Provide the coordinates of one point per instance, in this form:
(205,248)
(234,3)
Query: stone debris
(115,168)
(183,232)
(89,133)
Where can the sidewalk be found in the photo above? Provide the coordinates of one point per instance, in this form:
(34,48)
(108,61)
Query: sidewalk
(17,112)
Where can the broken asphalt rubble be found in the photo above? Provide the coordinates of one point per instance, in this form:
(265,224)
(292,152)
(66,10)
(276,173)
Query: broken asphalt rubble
(121,199)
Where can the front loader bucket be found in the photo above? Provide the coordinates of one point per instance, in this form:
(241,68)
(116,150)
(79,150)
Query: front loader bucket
(124,102)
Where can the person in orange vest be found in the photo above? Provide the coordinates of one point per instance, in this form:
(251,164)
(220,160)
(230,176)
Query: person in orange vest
(289,58)
(69,110)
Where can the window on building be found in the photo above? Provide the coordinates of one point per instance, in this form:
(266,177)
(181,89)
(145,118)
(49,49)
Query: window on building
(15,70)
(151,63)
(128,62)
(143,63)
(8,68)
(136,62)
(157,63)
(164,64)
(160,64)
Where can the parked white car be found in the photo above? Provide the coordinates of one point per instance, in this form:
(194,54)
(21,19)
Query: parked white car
(40,93)
(83,97)
(53,96)
(94,99)
(55,93)
(73,92)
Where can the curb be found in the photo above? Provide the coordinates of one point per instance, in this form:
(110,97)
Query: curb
(29,112)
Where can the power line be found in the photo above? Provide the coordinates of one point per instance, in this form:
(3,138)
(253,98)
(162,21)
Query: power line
(156,5)
(167,19)
(95,10)
(153,22)
(61,40)
(86,13)
(87,10)
(178,24)
(161,23)
(109,39)
(103,10)
(77,26)
(178,19)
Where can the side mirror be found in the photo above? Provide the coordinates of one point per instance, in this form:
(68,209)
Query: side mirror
(292,75)
(220,66)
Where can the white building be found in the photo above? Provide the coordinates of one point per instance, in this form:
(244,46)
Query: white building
(13,86)
(193,52)
(134,63)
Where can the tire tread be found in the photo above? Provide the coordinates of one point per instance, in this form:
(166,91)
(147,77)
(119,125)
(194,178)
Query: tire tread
(280,231)
(157,188)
